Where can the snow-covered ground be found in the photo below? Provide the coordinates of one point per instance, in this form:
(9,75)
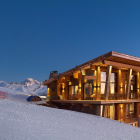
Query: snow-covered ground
(24,120)
(20,121)
(29,86)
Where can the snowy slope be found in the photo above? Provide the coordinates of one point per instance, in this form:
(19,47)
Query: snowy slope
(25,121)
(29,86)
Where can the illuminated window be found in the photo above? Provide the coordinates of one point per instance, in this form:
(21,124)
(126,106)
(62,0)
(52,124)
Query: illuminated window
(112,83)
(88,91)
(103,82)
(112,88)
(74,89)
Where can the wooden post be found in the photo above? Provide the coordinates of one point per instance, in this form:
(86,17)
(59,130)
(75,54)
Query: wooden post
(104,111)
(82,91)
(79,90)
(63,91)
(137,87)
(94,85)
(98,83)
(67,90)
(109,68)
(128,83)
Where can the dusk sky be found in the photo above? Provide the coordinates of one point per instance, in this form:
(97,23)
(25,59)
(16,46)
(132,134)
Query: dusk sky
(37,37)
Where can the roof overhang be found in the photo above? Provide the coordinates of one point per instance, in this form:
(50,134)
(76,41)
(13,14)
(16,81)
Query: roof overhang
(110,56)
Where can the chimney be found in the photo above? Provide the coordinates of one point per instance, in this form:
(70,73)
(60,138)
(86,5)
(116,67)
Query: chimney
(53,74)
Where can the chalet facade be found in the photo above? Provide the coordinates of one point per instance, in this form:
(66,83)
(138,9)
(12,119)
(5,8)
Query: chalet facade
(108,86)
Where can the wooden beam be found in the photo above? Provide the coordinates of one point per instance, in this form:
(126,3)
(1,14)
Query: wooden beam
(80,76)
(128,83)
(67,90)
(78,71)
(90,77)
(83,71)
(121,65)
(67,77)
(93,67)
(75,75)
(61,80)
(109,68)
(98,82)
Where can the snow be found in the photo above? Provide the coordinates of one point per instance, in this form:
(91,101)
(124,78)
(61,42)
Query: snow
(29,86)
(26,121)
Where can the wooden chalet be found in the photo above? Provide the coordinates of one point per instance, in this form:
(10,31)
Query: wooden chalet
(108,86)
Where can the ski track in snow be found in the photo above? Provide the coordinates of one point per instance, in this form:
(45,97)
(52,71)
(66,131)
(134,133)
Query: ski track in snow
(25,122)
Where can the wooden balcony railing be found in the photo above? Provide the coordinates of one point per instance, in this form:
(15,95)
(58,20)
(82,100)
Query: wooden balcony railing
(123,96)
(73,97)
(102,97)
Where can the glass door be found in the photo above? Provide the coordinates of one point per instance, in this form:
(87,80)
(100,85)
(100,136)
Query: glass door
(73,92)
(88,91)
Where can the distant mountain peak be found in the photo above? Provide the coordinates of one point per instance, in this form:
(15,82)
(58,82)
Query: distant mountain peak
(29,86)
(29,81)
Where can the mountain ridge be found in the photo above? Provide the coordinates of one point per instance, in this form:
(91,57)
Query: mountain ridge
(29,86)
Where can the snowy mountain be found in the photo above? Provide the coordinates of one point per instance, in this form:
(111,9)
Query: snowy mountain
(29,86)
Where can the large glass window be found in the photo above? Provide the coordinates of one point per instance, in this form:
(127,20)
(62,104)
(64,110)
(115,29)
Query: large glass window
(88,91)
(73,92)
(112,83)
(103,82)
(112,88)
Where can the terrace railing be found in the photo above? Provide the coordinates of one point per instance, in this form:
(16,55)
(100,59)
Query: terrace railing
(102,96)
(123,96)
(73,97)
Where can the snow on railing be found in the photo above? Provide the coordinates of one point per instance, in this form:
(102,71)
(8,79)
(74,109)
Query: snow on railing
(3,94)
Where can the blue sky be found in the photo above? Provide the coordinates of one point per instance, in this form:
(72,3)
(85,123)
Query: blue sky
(37,37)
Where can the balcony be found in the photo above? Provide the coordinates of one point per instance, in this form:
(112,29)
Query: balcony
(102,97)
(123,96)
(73,97)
